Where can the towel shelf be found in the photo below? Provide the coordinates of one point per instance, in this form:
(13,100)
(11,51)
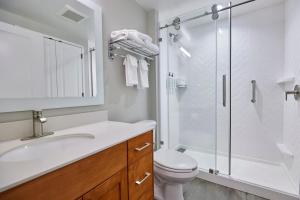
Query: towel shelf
(128,46)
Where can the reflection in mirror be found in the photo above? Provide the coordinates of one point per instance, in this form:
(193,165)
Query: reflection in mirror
(47,49)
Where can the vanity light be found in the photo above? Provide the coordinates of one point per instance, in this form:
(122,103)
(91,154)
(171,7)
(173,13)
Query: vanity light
(185,52)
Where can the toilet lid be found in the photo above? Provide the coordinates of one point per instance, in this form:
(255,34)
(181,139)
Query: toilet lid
(174,160)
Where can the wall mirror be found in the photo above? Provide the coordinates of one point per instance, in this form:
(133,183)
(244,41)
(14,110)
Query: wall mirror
(51,54)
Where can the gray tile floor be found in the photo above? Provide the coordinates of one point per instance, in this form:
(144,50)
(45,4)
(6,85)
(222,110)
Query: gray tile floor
(203,190)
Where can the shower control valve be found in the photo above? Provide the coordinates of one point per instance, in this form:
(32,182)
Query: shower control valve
(296,93)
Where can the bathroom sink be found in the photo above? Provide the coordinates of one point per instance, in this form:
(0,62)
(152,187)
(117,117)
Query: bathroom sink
(45,147)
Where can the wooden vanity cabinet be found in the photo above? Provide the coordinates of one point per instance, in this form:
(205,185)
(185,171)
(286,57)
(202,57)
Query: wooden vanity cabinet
(121,172)
(140,167)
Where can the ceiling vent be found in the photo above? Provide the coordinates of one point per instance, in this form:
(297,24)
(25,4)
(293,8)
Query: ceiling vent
(72,14)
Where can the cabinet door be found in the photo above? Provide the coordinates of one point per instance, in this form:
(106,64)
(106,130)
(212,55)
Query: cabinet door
(114,188)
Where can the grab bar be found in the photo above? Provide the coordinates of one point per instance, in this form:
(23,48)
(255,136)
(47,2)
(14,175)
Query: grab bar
(253,82)
(224,90)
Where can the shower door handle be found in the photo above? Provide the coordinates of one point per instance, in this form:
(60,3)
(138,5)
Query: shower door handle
(253,82)
(224,90)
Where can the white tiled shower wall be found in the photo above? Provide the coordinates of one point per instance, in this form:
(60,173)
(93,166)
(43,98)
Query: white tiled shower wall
(257,54)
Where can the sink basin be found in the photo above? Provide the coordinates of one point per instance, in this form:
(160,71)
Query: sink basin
(46,146)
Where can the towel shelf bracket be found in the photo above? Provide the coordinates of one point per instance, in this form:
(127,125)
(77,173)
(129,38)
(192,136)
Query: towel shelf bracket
(126,46)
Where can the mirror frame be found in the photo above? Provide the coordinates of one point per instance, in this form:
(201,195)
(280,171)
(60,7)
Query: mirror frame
(24,104)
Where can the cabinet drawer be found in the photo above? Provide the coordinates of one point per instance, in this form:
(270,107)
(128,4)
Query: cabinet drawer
(140,146)
(140,178)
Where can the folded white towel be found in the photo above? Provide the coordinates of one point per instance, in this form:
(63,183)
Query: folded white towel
(143,36)
(152,47)
(131,75)
(143,74)
(130,35)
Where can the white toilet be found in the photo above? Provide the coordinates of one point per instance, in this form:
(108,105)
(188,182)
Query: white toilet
(171,170)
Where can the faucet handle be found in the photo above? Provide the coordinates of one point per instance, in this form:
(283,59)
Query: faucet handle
(37,113)
(43,119)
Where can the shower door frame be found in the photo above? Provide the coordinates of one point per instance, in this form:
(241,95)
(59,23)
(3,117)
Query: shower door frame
(214,167)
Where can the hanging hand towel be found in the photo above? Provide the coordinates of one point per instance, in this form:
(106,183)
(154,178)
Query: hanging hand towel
(143,74)
(131,65)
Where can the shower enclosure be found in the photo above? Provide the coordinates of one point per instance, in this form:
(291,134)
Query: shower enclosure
(226,68)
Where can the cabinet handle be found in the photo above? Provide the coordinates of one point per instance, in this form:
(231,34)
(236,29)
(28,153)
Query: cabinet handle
(147,175)
(143,147)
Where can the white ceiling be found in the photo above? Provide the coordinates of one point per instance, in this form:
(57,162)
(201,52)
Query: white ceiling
(170,8)
(164,4)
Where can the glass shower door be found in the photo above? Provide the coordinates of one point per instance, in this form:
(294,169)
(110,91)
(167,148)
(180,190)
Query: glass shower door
(195,87)
(223,137)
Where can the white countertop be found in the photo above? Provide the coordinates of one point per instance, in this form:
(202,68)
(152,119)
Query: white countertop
(107,134)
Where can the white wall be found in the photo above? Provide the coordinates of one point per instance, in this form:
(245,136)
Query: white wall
(291,113)
(123,103)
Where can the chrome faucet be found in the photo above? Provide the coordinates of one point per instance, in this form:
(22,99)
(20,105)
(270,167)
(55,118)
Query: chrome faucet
(38,128)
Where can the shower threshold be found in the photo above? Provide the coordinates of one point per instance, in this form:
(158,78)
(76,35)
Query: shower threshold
(263,179)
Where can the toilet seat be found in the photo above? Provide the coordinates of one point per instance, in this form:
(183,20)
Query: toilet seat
(172,169)
(173,161)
